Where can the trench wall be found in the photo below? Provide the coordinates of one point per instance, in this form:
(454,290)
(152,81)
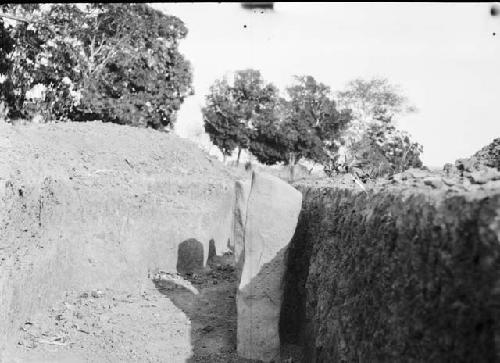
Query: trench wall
(396,274)
(95,206)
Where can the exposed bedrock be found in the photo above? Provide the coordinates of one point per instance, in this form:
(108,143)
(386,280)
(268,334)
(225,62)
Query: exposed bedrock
(396,274)
(271,216)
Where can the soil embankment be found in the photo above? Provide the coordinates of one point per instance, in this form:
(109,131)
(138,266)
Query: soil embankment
(90,206)
(405,270)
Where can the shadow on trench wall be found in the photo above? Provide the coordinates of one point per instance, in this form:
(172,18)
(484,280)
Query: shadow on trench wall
(206,294)
(190,256)
(293,327)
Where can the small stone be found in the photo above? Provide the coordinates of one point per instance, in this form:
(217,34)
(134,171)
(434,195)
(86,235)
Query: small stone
(449,182)
(495,184)
(416,173)
(434,182)
(398,178)
(484,176)
(97,294)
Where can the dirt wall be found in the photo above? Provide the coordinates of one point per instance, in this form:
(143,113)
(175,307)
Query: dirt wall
(91,205)
(399,272)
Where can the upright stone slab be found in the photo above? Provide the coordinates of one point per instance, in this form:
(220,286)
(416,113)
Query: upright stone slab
(272,214)
(190,256)
(241,194)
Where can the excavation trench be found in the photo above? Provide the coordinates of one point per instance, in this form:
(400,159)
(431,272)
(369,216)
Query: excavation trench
(396,272)
(114,247)
(91,214)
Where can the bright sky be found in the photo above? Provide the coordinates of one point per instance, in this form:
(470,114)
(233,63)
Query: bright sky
(444,56)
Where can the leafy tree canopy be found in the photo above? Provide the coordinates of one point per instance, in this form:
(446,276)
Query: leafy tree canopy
(232,111)
(384,149)
(369,98)
(312,124)
(372,140)
(115,62)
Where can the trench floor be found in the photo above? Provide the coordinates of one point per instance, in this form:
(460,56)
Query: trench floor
(192,319)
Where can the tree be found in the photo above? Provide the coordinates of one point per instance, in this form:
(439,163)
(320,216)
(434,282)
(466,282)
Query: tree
(6,47)
(221,120)
(383,149)
(313,121)
(310,126)
(135,73)
(232,110)
(368,98)
(270,143)
(18,47)
(115,62)
(373,140)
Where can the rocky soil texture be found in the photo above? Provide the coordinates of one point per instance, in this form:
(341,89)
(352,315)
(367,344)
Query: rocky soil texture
(402,269)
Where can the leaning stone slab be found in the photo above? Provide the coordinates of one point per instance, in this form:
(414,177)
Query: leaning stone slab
(241,194)
(271,217)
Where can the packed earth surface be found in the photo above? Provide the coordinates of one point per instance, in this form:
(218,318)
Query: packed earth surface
(181,318)
(164,322)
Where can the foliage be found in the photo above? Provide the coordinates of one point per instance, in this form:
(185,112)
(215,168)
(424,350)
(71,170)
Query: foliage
(367,98)
(249,114)
(221,119)
(311,124)
(6,47)
(18,49)
(373,142)
(270,142)
(115,62)
(383,149)
(233,110)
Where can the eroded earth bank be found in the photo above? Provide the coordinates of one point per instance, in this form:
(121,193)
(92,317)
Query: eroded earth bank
(98,209)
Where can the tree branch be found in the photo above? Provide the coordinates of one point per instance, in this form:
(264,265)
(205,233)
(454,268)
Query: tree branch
(2,15)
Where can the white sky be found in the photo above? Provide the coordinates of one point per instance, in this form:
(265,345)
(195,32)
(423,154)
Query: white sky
(444,56)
